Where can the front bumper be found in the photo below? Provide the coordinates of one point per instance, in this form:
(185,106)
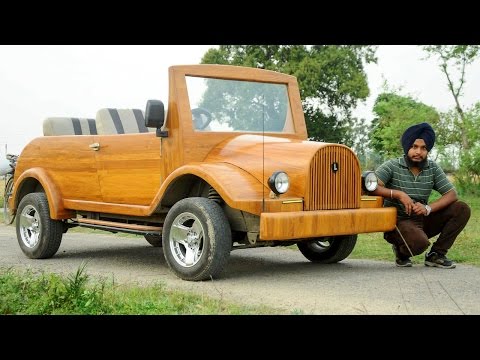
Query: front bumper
(320,223)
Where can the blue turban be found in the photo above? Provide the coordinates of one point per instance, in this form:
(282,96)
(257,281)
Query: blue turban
(420,131)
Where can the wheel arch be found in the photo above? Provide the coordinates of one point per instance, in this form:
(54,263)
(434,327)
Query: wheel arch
(184,186)
(38,180)
(236,187)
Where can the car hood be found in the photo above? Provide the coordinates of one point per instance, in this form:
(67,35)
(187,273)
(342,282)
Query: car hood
(260,156)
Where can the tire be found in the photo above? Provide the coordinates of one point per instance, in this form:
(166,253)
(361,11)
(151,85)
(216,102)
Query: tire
(328,250)
(154,239)
(38,235)
(8,218)
(197,239)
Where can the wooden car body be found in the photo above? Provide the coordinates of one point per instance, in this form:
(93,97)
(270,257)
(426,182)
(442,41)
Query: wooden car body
(130,181)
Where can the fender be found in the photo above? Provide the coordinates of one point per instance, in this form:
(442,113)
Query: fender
(55,202)
(238,188)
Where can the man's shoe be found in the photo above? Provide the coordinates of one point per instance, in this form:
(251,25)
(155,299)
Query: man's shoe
(401,261)
(438,260)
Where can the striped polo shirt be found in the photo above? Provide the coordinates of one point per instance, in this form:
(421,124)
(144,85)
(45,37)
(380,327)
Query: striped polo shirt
(396,175)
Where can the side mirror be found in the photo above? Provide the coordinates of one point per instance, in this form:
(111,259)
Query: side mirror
(154,116)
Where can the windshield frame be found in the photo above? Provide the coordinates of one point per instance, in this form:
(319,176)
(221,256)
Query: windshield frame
(180,116)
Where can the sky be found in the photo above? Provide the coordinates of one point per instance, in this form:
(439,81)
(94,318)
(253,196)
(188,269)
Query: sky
(75,81)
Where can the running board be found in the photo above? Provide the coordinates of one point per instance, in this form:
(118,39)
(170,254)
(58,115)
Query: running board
(113,226)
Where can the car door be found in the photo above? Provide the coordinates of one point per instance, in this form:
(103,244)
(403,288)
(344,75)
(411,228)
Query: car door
(128,167)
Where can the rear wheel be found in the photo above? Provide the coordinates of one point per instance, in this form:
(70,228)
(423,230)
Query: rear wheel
(38,235)
(328,250)
(154,239)
(197,239)
(8,217)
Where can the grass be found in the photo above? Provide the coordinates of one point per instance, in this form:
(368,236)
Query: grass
(27,292)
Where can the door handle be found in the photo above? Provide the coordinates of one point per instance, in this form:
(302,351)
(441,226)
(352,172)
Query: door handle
(94,146)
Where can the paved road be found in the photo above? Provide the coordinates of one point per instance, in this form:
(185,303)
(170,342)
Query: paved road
(277,277)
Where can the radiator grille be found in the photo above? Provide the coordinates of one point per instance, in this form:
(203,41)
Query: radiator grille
(328,189)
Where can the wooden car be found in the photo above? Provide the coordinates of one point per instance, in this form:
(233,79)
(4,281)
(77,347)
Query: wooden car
(228,167)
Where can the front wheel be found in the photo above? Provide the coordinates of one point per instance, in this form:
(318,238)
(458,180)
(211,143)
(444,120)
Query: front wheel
(8,217)
(38,235)
(197,239)
(328,250)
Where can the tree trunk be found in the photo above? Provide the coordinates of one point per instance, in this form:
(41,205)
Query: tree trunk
(463,132)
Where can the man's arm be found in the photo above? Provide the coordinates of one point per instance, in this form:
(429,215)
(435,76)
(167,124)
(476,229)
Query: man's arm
(446,199)
(444,187)
(406,200)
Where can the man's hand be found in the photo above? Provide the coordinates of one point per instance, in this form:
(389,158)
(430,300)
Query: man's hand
(419,209)
(407,202)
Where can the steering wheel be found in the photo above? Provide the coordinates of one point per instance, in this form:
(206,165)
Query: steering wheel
(201,118)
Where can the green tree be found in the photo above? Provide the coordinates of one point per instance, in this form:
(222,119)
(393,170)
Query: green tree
(393,114)
(465,163)
(459,126)
(331,79)
(453,60)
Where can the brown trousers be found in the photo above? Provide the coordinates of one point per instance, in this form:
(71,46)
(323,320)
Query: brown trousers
(416,230)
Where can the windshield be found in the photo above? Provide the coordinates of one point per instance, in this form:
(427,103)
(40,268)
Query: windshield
(243,106)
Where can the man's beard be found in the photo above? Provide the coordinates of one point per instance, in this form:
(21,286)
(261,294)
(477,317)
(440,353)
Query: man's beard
(411,163)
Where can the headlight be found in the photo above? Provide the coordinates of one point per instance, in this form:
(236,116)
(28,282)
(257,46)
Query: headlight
(369,181)
(279,182)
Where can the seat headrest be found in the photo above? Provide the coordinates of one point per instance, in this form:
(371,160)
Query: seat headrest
(55,126)
(121,121)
